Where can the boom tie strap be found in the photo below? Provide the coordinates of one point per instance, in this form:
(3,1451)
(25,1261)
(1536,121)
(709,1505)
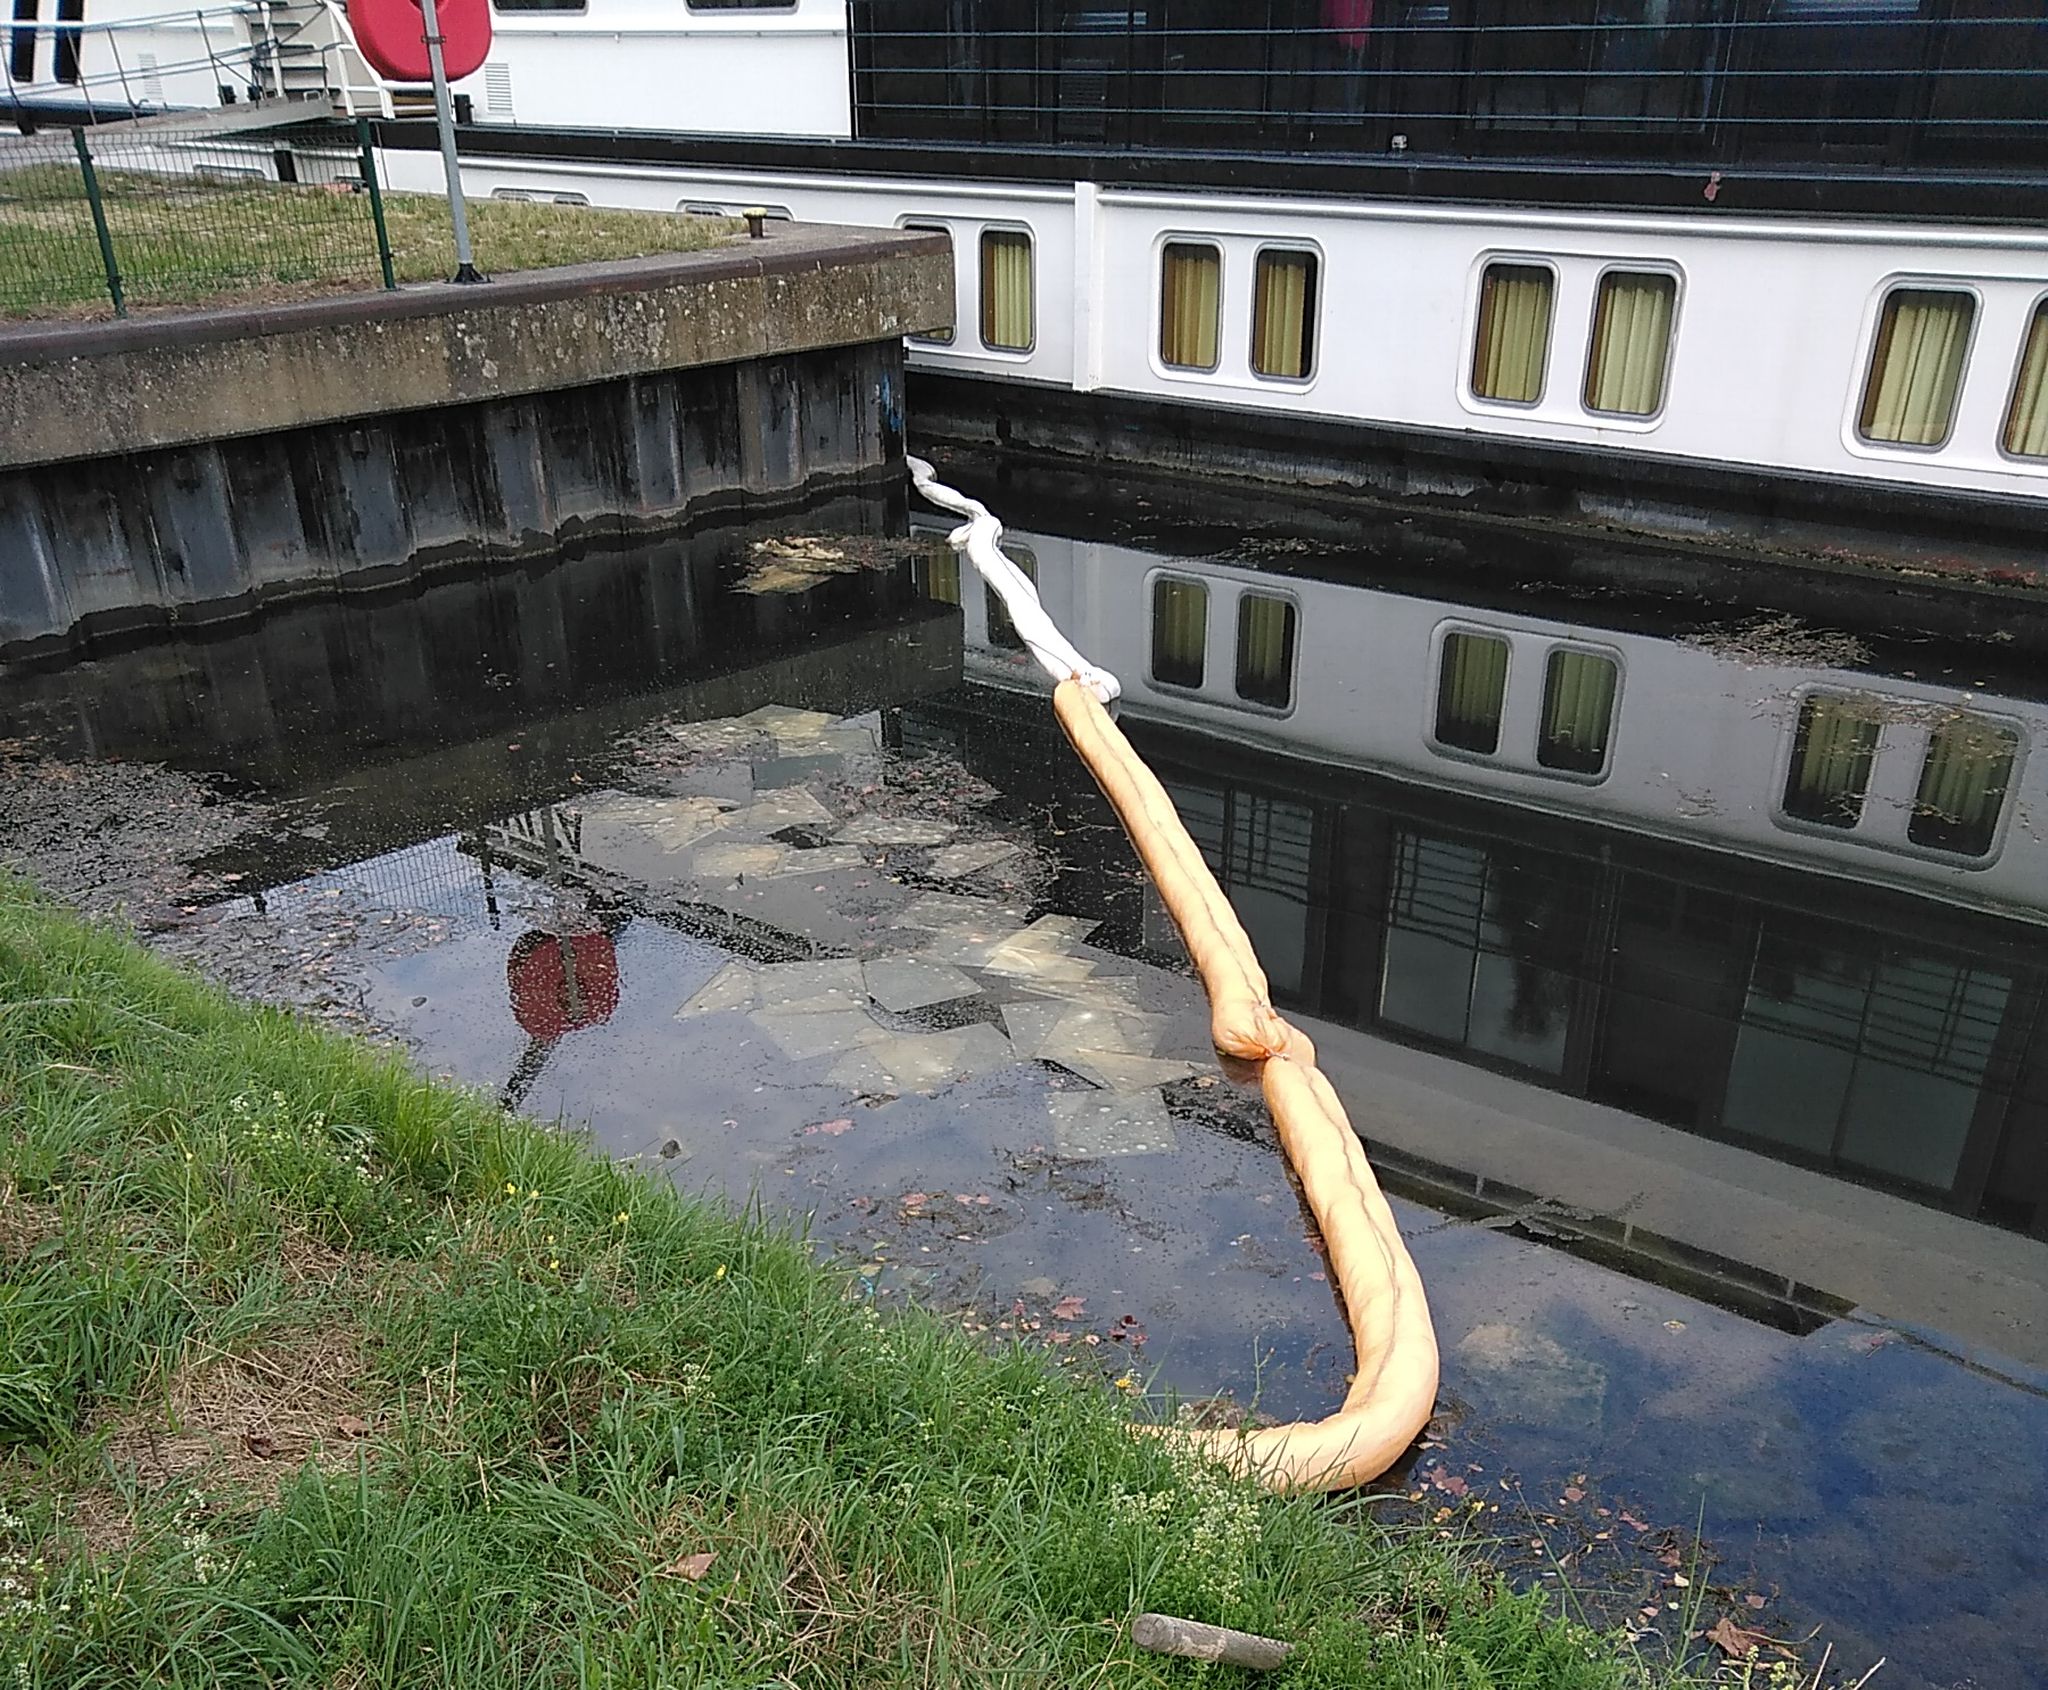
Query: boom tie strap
(1393,1389)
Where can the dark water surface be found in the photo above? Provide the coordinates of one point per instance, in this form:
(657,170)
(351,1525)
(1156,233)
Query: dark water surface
(1695,1029)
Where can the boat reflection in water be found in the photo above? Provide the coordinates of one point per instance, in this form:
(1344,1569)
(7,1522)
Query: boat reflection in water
(1788,904)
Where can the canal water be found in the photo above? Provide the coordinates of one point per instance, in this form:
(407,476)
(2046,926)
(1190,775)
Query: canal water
(1682,970)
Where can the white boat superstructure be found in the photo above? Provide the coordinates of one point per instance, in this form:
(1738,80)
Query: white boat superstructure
(1227,223)
(1869,777)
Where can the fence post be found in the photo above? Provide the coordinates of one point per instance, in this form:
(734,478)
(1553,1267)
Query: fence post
(99,221)
(376,201)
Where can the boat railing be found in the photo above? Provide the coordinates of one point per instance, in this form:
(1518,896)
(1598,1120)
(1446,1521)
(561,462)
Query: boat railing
(1884,83)
(254,51)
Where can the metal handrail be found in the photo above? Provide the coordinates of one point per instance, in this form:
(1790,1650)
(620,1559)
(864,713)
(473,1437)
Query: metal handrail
(257,65)
(1865,77)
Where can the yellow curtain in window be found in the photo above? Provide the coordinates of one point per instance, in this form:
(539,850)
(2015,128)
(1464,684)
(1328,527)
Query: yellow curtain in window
(1190,305)
(1281,307)
(1962,786)
(1180,631)
(1513,344)
(1831,762)
(1631,335)
(1006,306)
(1578,709)
(941,567)
(1265,649)
(2026,424)
(1470,691)
(1916,368)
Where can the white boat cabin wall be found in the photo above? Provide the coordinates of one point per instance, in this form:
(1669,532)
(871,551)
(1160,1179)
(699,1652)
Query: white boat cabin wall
(1903,356)
(1928,789)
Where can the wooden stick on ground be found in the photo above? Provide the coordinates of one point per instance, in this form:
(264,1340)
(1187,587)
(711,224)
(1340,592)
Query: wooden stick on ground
(1162,1634)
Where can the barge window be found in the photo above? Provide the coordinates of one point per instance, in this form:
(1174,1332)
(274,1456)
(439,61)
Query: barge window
(1471,686)
(1284,315)
(1863,1054)
(1916,366)
(936,573)
(1962,786)
(1512,346)
(539,5)
(1265,650)
(1631,343)
(933,337)
(1180,631)
(1578,711)
(1007,318)
(1832,752)
(1001,630)
(2026,418)
(741,5)
(1190,305)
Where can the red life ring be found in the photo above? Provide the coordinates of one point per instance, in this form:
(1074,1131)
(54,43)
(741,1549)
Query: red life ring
(393,37)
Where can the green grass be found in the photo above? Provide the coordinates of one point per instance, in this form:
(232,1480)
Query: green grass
(186,240)
(314,1372)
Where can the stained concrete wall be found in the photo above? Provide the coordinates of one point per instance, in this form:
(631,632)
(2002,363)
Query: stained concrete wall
(561,658)
(186,469)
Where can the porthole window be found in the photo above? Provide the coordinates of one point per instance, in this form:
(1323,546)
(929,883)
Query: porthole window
(1180,631)
(1832,752)
(1962,786)
(1471,687)
(1631,346)
(936,573)
(1284,315)
(1002,632)
(1265,650)
(1578,711)
(933,337)
(1511,348)
(1190,305)
(1916,366)
(2026,417)
(1008,321)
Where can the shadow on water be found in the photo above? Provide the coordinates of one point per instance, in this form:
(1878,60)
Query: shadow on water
(1718,1140)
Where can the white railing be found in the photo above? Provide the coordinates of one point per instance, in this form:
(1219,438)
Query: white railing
(261,50)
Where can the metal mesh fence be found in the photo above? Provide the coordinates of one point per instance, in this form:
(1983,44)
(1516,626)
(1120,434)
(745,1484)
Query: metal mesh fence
(182,211)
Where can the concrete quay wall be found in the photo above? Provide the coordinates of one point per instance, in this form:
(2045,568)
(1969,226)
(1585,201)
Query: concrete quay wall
(186,468)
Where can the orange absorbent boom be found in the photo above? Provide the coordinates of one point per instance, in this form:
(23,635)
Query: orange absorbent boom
(1393,1391)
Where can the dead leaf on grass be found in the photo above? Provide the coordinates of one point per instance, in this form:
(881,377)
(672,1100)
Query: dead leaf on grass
(691,1567)
(1734,1640)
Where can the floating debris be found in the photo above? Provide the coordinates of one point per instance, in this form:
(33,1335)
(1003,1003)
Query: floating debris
(795,563)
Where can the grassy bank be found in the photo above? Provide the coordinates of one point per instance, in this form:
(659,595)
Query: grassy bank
(191,240)
(313,1372)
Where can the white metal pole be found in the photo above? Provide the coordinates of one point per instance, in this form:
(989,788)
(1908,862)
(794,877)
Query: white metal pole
(444,115)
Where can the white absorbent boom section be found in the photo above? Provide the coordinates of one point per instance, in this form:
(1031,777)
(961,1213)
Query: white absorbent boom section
(980,540)
(1393,1389)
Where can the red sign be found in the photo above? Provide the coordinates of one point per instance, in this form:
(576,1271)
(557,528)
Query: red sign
(393,37)
(559,986)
